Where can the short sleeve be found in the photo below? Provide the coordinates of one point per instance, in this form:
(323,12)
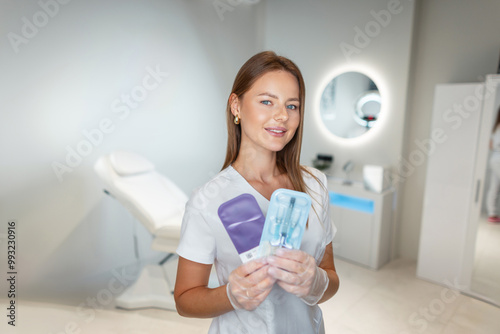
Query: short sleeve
(321,189)
(197,242)
(328,225)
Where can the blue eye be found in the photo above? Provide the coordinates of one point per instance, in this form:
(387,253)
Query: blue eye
(266,102)
(292,106)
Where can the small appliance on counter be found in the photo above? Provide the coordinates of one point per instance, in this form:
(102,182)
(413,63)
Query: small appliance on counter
(376,178)
(323,161)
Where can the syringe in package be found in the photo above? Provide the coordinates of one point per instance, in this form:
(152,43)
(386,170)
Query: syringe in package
(285,221)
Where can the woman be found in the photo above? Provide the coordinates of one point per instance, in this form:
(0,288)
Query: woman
(492,196)
(280,293)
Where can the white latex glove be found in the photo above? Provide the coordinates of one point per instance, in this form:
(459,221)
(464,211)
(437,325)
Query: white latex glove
(249,285)
(297,273)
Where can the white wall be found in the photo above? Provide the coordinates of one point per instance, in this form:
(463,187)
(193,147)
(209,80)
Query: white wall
(67,76)
(313,34)
(454,43)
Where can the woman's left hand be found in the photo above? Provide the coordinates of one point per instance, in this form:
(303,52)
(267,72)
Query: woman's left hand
(297,273)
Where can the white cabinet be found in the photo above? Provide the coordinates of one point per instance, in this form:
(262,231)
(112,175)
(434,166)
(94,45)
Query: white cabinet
(363,220)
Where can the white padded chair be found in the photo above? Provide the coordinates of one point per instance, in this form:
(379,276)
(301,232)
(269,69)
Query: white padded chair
(159,205)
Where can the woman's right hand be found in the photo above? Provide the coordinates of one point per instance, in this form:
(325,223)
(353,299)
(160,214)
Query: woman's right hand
(249,285)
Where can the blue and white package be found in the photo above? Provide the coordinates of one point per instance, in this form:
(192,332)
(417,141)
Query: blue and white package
(243,221)
(285,221)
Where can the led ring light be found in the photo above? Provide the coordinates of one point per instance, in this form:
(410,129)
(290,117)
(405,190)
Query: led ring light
(362,117)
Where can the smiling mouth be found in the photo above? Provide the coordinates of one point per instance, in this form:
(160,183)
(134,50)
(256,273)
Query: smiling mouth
(276,131)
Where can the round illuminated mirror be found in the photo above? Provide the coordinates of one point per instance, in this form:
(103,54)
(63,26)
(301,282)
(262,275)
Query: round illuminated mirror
(350,105)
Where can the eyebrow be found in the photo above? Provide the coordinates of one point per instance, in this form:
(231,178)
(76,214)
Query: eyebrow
(275,97)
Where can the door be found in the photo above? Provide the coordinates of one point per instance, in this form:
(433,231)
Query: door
(450,183)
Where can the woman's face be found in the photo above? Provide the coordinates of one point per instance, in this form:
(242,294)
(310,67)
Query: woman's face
(269,112)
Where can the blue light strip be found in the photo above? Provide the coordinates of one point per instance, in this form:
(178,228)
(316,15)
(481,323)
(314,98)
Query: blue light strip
(351,202)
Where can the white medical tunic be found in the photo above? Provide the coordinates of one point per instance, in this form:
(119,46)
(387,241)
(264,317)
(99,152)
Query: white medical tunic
(205,240)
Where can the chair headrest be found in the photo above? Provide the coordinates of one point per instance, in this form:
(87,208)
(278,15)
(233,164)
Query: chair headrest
(127,163)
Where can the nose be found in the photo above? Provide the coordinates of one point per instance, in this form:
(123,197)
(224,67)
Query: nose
(281,114)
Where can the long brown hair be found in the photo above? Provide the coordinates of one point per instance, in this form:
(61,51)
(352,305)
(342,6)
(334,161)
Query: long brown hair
(288,159)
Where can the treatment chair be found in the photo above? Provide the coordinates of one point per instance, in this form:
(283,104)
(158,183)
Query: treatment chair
(159,205)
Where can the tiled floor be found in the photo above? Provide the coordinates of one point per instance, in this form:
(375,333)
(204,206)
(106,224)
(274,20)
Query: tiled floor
(391,300)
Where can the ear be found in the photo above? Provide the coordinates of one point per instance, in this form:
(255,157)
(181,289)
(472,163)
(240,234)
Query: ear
(234,103)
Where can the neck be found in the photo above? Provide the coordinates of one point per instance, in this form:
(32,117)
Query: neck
(258,166)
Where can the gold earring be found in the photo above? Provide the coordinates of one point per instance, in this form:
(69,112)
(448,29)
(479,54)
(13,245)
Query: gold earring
(236,120)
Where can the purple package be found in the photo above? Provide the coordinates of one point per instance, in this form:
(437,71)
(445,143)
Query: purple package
(244,221)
